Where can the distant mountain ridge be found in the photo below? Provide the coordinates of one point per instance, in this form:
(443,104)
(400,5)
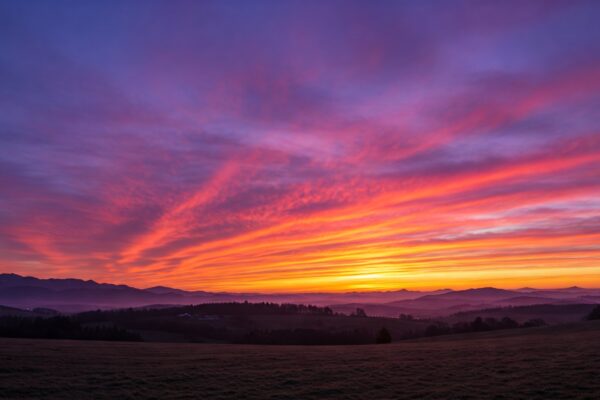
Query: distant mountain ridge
(74,295)
(436,305)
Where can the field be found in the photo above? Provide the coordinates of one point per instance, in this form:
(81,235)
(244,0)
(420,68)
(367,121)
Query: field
(540,363)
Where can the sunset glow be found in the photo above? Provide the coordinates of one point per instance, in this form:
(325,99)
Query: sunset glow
(284,146)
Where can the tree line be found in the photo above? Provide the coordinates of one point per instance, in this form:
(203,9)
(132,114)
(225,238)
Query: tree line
(477,325)
(61,327)
(595,314)
(233,323)
(230,308)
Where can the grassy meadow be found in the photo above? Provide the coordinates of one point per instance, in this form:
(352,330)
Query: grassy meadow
(559,362)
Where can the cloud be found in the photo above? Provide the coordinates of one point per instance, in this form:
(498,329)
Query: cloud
(299,146)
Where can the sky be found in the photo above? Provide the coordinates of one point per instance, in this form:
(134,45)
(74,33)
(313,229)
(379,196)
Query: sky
(301,146)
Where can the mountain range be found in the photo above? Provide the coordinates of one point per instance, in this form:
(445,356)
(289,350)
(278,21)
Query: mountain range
(74,295)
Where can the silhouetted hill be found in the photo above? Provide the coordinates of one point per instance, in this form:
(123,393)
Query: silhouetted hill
(437,305)
(12,311)
(485,292)
(266,323)
(72,295)
(526,300)
(14,280)
(75,295)
(258,323)
(551,313)
(164,290)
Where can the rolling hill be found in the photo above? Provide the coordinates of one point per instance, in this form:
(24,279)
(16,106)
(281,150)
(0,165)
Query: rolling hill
(452,302)
(75,295)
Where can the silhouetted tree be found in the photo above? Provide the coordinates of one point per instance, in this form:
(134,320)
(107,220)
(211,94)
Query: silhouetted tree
(436,329)
(61,327)
(359,313)
(533,323)
(461,327)
(595,314)
(406,317)
(508,323)
(478,325)
(383,337)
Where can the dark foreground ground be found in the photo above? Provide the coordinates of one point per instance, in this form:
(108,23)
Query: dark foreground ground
(541,363)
